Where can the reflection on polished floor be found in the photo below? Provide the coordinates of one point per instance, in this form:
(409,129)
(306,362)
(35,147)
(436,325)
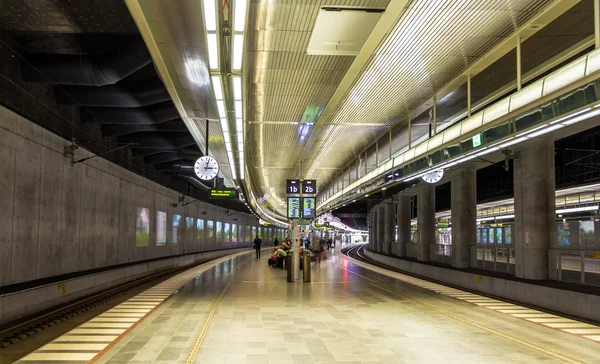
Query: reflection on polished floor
(348,314)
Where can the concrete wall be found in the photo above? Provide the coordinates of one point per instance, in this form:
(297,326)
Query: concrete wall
(56,218)
(559,300)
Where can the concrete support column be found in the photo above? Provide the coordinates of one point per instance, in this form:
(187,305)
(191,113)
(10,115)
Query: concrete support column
(403,222)
(463,200)
(425,220)
(374,227)
(535,205)
(389,222)
(380,228)
(296,248)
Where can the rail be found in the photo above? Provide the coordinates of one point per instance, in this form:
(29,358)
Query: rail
(575,265)
(493,258)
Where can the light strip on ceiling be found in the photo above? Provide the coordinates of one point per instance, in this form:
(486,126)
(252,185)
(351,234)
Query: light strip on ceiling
(238,51)
(577,209)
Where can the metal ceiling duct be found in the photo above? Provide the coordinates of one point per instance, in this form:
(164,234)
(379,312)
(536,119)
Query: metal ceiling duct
(103,70)
(149,115)
(146,93)
(169,126)
(170,157)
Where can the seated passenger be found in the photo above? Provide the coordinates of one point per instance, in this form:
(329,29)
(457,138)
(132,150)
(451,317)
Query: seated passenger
(280,257)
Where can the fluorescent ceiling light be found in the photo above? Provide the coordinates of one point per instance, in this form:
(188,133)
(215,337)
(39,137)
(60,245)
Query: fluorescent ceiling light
(240,136)
(512,142)
(529,131)
(216,80)
(221,108)
(240,147)
(238,110)
(484,218)
(546,130)
(237,87)
(505,217)
(577,209)
(238,125)
(228,146)
(570,116)
(238,48)
(210,15)
(581,118)
(213,51)
(227,140)
(224,126)
(240,15)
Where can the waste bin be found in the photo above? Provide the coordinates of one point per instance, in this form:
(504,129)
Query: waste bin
(288,266)
(306,263)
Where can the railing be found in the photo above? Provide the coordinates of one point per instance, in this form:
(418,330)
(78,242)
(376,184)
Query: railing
(580,266)
(493,258)
(455,141)
(440,253)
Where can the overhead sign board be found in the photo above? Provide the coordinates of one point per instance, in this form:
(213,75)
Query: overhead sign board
(292,186)
(476,140)
(309,186)
(223,193)
(308,207)
(293,207)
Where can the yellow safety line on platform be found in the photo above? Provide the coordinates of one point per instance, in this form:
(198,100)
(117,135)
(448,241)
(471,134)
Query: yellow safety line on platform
(472,323)
(194,351)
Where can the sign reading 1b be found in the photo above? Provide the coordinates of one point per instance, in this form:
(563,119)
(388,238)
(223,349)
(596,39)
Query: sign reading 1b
(292,186)
(309,186)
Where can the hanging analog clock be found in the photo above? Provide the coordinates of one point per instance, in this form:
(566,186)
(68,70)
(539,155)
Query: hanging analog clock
(433,177)
(206,168)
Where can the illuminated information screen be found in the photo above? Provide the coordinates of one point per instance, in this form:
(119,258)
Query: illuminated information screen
(308,207)
(293,207)
(223,193)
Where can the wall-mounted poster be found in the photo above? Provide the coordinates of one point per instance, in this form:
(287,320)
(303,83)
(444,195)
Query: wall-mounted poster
(142,227)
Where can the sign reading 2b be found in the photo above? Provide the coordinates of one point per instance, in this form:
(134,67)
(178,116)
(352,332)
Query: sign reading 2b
(292,186)
(309,186)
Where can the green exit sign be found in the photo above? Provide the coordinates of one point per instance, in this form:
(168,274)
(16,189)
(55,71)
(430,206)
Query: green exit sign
(476,140)
(223,193)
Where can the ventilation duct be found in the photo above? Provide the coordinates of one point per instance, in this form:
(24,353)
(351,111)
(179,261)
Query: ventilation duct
(147,93)
(103,70)
(149,115)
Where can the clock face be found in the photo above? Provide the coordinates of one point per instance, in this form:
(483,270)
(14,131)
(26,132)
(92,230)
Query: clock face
(206,168)
(433,177)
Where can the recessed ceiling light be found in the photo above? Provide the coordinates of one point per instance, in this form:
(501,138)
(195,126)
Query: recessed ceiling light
(366,195)
(383,189)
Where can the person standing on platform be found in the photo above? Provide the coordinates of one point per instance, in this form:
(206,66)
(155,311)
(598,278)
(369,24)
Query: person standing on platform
(275,242)
(257,244)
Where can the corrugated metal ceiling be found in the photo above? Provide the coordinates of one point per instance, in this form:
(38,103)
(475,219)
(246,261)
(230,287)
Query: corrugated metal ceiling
(433,42)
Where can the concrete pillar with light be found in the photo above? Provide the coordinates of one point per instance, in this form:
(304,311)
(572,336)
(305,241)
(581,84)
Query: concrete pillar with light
(389,224)
(425,220)
(403,223)
(463,201)
(535,207)
(380,227)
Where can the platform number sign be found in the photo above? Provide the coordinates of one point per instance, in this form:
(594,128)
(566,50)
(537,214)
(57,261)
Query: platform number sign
(293,186)
(309,187)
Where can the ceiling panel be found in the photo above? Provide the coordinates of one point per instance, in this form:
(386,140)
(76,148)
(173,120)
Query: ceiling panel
(284,85)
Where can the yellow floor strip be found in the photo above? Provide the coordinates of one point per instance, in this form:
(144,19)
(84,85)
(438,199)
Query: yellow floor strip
(474,324)
(97,331)
(533,315)
(583,331)
(545,320)
(73,347)
(111,325)
(563,325)
(59,356)
(86,338)
(194,351)
(593,337)
(129,320)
